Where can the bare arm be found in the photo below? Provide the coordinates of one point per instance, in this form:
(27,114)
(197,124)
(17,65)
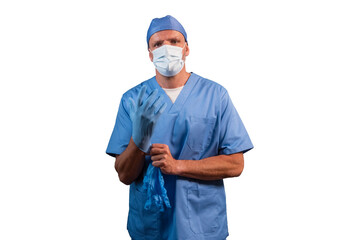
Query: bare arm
(212,168)
(130,163)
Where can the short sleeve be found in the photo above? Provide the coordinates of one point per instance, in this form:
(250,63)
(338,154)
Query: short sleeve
(121,134)
(233,135)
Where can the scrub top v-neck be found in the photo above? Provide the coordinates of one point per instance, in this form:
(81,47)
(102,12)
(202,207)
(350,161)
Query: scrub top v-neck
(173,93)
(178,104)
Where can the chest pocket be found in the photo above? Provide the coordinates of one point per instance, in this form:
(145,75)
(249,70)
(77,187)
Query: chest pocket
(200,132)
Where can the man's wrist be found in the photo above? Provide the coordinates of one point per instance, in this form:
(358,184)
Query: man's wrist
(179,167)
(135,147)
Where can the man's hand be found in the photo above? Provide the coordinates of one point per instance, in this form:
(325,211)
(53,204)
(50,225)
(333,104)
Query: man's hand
(144,117)
(162,158)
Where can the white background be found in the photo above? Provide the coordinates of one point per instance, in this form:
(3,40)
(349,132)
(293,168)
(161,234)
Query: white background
(291,68)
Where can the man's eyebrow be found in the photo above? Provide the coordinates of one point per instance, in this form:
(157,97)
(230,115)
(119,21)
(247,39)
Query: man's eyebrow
(174,38)
(158,41)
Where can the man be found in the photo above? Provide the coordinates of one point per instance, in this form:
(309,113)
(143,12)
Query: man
(186,126)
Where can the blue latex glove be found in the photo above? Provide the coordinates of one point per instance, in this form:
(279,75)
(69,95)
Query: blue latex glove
(144,117)
(156,192)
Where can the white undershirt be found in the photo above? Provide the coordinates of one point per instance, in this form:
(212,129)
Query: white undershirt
(173,93)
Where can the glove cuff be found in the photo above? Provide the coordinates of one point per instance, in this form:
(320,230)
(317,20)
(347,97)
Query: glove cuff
(143,145)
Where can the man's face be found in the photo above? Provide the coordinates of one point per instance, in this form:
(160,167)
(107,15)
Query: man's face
(167,37)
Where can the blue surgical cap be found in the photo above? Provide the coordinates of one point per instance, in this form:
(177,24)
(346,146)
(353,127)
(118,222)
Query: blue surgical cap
(166,23)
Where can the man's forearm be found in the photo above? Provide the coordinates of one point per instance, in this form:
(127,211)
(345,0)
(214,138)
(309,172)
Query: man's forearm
(212,168)
(130,163)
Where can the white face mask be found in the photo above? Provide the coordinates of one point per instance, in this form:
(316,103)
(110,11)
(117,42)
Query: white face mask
(168,60)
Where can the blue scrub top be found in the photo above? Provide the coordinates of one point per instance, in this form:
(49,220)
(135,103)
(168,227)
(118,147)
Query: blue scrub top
(201,123)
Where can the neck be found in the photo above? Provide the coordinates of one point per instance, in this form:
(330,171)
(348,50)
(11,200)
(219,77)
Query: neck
(176,81)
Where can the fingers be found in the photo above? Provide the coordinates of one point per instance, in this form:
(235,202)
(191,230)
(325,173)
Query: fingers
(150,100)
(159,145)
(158,164)
(156,104)
(157,151)
(158,148)
(157,157)
(131,105)
(161,110)
(141,95)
